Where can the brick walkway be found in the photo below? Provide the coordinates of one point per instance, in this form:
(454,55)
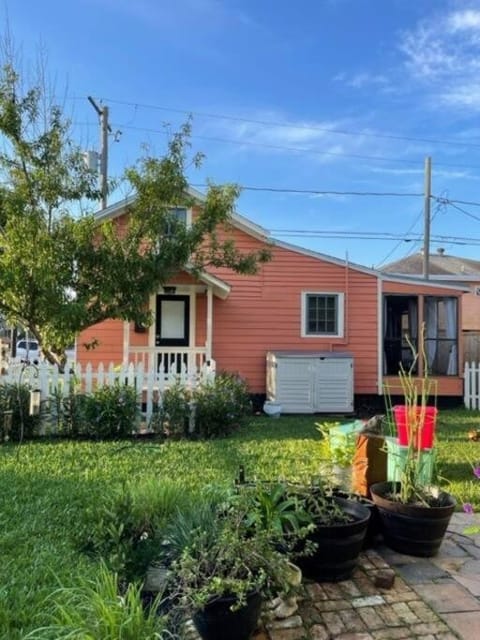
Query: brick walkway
(432,598)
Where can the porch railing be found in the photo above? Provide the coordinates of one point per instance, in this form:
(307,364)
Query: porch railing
(189,360)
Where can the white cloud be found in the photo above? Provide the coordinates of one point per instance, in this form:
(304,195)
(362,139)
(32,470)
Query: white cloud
(464,20)
(197,16)
(363,79)
(439,173)
(443,53)
(272,132)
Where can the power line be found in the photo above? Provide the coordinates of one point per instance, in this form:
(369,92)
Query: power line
(373,235)
(401,241)
(449,201)
(285,124)
(318,192)
(467,213)
(291,149)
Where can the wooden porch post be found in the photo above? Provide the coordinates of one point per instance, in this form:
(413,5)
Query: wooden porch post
(420,347)
(208,342)
(126,342)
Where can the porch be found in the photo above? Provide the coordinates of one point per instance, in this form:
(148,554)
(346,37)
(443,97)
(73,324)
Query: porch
(404,314)
(180,339)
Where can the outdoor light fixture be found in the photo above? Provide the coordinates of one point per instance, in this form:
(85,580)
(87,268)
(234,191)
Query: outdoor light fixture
(7,423)
(35,398)
(171,290)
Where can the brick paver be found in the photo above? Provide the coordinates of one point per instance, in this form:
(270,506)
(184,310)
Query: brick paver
(430,599)
(356,609)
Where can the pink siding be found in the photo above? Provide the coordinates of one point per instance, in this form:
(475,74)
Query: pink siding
(109,335)
(263,313)
(471,311)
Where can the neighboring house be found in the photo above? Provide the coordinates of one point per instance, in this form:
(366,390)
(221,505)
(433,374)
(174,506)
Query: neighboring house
(452,270)
(300,301)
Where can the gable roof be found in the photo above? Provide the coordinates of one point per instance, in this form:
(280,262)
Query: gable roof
(440,264)
(245,224)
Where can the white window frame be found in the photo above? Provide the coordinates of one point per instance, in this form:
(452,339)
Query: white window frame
(188,221)
(340,314)
(188,214)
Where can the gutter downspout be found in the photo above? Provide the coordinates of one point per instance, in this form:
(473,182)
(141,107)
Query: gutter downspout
(380,321)
(209,337)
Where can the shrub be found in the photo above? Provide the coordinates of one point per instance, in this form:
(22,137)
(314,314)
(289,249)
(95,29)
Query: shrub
(174,411)
(126,529)
(67,413)
(96,610)
(111,412)
(221,405)
(16,398)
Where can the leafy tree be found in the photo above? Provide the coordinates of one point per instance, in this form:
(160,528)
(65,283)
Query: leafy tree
(61,269)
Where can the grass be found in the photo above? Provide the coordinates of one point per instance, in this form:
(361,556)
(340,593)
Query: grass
(49,488)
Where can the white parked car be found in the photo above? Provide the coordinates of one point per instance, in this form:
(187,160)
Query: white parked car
(28,350)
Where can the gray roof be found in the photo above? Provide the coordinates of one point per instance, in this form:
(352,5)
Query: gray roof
(440,264)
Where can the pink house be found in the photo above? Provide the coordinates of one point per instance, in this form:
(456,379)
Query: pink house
(301,303)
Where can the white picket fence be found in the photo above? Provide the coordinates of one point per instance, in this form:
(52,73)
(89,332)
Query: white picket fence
(149,384)
(471,386)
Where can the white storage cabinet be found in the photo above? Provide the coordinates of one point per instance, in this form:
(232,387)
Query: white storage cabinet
(310,381)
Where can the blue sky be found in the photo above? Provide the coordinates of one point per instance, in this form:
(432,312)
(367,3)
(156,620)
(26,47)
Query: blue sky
(320,95)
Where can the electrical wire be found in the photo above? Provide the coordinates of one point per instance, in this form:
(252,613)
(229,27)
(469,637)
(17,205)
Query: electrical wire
(276,147)
(285,124)
(372,235)
(467,213)
(401,241)
(318,192)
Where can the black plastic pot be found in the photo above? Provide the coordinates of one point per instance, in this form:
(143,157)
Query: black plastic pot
(218,622)
(338,545)
(412,529)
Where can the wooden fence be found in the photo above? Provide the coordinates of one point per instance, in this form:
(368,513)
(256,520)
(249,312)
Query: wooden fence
(471,386)
(149,385)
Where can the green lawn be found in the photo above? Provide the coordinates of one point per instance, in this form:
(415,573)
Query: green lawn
(49,488)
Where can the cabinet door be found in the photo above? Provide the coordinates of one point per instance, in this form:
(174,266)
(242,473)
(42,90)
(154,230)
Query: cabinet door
(294,384)
(333,385)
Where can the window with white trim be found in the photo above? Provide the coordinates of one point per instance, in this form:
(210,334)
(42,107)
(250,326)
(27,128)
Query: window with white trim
(175,216)
(322,314)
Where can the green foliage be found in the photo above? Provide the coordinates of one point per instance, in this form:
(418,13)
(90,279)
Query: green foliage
(218,408)
(342,451)
(221,406)
(67,413)
(225,559)
(16,398)
(126,528)
(416,397)
(96,610)
(275,509)
(111,411)
(50,491)
(174,411)
(59,265)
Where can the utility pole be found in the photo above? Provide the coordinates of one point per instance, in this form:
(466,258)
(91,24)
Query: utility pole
(105,129)
(426,213)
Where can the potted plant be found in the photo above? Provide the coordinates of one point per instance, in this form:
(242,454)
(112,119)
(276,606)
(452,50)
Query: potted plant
(340,449)
(414,514)
(333,544)
(223,575)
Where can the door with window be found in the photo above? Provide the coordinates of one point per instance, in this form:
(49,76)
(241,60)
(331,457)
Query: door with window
(172,329)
